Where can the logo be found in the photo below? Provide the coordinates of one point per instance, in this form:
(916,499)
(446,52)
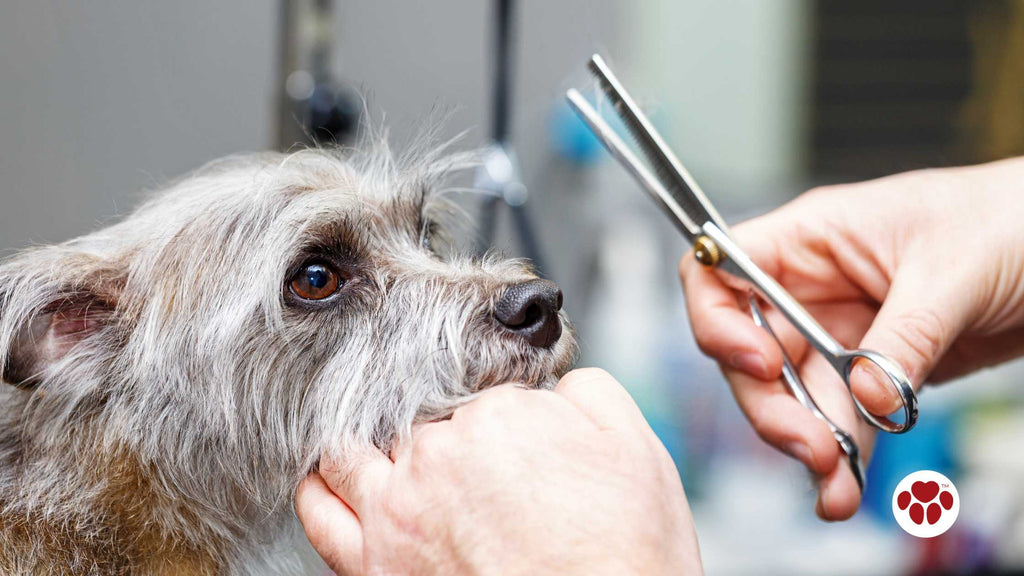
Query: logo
(925,504)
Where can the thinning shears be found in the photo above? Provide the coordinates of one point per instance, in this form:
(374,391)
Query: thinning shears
(670,185)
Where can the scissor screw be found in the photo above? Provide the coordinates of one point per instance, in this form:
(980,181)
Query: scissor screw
(707,251)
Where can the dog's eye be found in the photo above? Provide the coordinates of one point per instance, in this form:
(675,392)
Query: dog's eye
(315,281)
(428,232)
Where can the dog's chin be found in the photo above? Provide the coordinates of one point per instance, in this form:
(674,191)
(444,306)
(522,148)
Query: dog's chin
(521,365)
(533,368)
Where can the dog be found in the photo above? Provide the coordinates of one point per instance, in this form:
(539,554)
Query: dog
(170,379)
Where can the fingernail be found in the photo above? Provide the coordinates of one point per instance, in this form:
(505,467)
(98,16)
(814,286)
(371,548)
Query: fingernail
(801,452)
(750,362)
(867,383)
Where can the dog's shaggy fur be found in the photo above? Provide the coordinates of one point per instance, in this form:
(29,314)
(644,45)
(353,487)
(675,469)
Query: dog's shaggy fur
(166,392)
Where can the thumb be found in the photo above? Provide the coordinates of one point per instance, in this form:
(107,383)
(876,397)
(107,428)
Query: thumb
(916,325)
(359,479)
(330,525)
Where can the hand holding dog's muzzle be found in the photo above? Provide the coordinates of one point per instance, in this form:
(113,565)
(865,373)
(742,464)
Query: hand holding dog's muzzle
(517,481)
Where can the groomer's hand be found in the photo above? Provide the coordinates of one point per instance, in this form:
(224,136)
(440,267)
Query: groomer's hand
(926,267)
(517,482)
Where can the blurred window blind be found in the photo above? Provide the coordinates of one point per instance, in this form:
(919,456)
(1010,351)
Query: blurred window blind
(915,83)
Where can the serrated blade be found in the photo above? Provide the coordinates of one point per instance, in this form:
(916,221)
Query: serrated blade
(670,171)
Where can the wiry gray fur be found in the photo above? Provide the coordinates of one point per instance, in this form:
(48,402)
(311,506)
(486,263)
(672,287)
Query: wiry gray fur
(170,341)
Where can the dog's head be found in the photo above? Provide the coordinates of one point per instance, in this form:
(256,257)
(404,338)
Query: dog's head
(267,309)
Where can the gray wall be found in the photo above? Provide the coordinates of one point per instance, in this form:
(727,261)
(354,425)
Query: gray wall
(99,100)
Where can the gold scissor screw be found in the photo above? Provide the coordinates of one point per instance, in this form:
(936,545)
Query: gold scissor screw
(707,251)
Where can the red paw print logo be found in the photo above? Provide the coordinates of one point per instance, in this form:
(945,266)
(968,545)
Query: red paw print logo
(925,504)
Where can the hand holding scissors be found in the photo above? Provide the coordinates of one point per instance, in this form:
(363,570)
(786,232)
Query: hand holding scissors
(675,191)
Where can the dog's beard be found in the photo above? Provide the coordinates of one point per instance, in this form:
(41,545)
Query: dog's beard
(390,393)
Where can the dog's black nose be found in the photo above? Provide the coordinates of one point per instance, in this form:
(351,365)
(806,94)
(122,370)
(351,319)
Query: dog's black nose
(531,310)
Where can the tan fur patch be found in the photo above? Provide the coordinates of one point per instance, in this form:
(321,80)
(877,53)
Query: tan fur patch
(121,539)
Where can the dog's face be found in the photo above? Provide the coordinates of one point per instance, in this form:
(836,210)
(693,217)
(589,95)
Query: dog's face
(266,310)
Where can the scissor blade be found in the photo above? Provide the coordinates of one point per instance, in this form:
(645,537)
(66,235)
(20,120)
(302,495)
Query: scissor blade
(622,153)
(677,179)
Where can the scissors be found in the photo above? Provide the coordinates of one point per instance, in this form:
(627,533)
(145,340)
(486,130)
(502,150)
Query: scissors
(670,185)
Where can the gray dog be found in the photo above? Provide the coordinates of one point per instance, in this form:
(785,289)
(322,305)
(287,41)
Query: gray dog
(171,379)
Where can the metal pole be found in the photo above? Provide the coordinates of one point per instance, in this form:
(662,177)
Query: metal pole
(311,104)
(510,187)
(501,94)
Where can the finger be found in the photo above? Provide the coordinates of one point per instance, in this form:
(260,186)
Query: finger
(839,495)
(786,424)
(510,409)
(601,398)
(781,421)
(838,492)
(722,329)
(360,479)
(916,324)
(402,449)
(436,447)
(330,525)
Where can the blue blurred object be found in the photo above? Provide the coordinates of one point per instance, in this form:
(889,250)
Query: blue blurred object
(930,446)
(571,138)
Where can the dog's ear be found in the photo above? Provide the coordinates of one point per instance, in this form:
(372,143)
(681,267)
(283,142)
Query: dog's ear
(51,300)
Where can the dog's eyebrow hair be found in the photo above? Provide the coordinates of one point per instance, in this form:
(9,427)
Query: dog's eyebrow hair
(426,192)
(336,236)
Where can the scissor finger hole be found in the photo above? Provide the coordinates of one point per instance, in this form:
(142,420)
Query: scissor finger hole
(881,391)
(873,389)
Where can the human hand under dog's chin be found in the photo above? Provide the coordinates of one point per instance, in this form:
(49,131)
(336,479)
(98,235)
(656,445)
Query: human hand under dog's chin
(925,267)
(570,481)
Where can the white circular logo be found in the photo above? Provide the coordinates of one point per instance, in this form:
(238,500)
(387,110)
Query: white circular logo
(925,504)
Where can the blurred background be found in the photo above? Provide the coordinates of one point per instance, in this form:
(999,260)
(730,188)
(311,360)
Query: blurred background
(762,99)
